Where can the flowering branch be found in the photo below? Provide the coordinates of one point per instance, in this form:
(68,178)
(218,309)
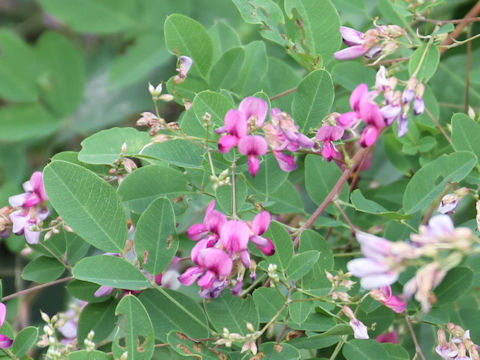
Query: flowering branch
(359,156)
(36,288)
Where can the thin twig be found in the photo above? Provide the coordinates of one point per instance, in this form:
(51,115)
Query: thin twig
(284,93)
(437,123)
(36,288)
(388,61)
(334,192)
(469,67)
(353,228)
(461,25)
(418,349)
(454,21)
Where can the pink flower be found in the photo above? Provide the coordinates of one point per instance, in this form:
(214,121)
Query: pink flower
(27,222)
(390,337)
(348,119)
(235,127)
(253,146)
(285,162)
(260,224)
(328,134)
(255,109)
(212,223)
(34,193)
(354,40)
(360,331)
(384,295)
(374,269)
(5,341)
(234,236)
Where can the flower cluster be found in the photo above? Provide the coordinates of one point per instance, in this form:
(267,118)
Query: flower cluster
(372,43)
(439,240)
(30,209)
(223,243)
(458,346)
(242,129)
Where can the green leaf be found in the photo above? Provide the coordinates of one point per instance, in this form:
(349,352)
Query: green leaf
(225,71)
(224,37)
(313,100)
(429,182)
(36,122)
(395,352)
(155,234)
(263,12)
(364,350)
(371,207)
(105,147)
(224,313)
(286,199)
(456,283)
(224,196)
(283,246)
(85,290)
(280,78)
(300,310)
(349,74)
(110,271)
(18,69)
(320,178)
(269,177)
(424,62)
(185,36)
(98,317)
(281,351)
(139,60)
(137,328)
(315,322)
(254,69)
(320,24)
(268,302)
(465,134)
(301,264)
(148,183)
(62,79)
(210,102)
(43,269)
(88,204)
(177,152)
(311,240)
(171,310)
(93,16)
(88,355)
(24,340)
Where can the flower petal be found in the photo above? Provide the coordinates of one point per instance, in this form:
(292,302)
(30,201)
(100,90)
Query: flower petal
(350,53)
(351,36)
(234,236)
(261,222)
(3,313)
(226,143)
(253,145)
(254,107)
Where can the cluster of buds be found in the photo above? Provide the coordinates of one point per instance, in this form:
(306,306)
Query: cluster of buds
(341,283)
(360,331)
(222,250)
(272,274)
(55,226)
(459,345)
(438,245)
(122,166)
(449,202)
(56,349)
(184,65)
(248,340)
(5,222)
(156,92)
(154,123)
(381,40)
(220,180)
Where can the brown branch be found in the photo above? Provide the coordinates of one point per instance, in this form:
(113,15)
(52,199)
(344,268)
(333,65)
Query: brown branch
(459,28)
(418,349)
(283,93)
(36,288)
(334,192)
(439,126)
(454,21)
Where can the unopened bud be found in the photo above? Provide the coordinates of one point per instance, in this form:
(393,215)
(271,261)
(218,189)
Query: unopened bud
(348,312)
(45,317)
(124,148)
(250,327)
(166,97)
(155,91)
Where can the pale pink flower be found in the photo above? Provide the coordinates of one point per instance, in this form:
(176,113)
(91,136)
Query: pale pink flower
(385,296)
(34,193)
(254,109)
(360,331)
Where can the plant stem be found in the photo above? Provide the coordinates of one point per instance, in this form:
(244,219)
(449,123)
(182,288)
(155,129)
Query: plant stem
(418,349)
(234,189)
(334,192)
(338,347)
(9,354)
(353,228)
(459,28)
(36,288)
(283,93)
(469,67)
(437,123)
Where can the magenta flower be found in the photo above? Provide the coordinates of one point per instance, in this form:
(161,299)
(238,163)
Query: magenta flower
(5,341)
(374,269)
(328,134)
(212,223)
(234,236)
(348,119)
(355,40)
(254,109)
(212,271)
(235,128)
(390,337)
(384,295)
(253,146)
(285,162)
(260,224)
(34,193)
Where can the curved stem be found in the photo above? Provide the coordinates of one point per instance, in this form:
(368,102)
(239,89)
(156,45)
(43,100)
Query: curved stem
(36,288)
